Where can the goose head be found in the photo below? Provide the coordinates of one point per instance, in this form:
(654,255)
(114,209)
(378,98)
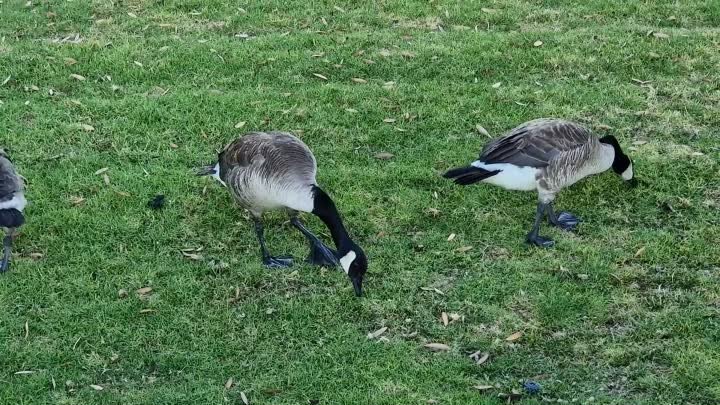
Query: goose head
(354,262)
(212,170)
(622,165)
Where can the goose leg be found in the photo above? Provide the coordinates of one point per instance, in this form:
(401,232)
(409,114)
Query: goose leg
(320,254)
(7,249)
(269,261)
(533,236)
(563,220)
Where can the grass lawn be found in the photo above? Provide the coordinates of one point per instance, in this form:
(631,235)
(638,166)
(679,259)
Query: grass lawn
(626,311)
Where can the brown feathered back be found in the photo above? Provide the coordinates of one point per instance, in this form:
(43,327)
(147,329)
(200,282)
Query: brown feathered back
(266,170)
(535,143)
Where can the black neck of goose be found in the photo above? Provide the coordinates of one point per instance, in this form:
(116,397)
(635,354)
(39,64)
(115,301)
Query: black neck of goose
(324,208)
(621,161)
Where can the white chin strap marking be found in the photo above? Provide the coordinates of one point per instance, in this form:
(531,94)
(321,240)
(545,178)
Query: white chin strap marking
(346,260)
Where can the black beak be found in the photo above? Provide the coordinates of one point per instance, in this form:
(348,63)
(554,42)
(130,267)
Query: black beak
(205,171)
(357,285)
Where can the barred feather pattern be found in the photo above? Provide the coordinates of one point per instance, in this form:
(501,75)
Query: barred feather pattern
(563,152)
(269,170)
(11,186)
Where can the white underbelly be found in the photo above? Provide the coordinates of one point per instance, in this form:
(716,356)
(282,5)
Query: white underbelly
(511,177)
(18,202)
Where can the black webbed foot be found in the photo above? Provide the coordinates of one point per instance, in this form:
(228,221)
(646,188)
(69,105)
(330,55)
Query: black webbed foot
(565,221)
(540,241)
(321,255)
(278,262)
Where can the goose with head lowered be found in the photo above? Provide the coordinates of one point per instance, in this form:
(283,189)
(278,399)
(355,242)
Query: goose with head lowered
(12,204)
(545,155)
(276,170)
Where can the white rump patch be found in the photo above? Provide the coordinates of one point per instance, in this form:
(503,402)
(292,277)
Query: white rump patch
(346,260)
(628,173)
(216,174)
(18,202)
(511,177)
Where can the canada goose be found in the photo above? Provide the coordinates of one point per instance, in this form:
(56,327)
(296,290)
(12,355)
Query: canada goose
(272,170)
(546,155)
(12,204)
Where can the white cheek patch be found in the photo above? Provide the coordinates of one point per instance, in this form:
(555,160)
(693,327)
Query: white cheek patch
(628,173)
(346,260)
(216,174)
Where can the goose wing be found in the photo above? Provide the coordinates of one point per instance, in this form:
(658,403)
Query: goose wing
(10,182)
(270,156)
(536,143)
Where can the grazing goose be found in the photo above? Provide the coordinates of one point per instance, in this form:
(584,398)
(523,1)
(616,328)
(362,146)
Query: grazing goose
(546,155)
(12,203)
(272,170)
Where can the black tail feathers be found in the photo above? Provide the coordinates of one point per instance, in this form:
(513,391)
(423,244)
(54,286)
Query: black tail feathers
(11,218)
(469,175)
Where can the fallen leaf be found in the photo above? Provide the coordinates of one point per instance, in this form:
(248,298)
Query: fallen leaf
(640,251)
(77,77)
(654,55)
(75,200)
(359,80)
(488,10)
(463,249)
(339,9)
(36,256)
(106,179)
(377,333)
(192,256)
(483,387)
(351,110)
(385,53)
(138,63)
(660,35)
(240,124)
(101,171)
(122,293)
(433,212)
(638,143)
(697,154)
(244,398)
(87,128)
(7,79)
(24,372)
(174,145)
(515,336)
(604,127)
(132,15)
(229,383)
(96,387)
(408,54)
(454,317)
(437,347)
(444,318)
(451,237)
(482,359)
(482,130)
(27,329)
(432,289)
(389,120)
(144,290)
(146,311)
(318,75)
(384,156)
(537,43)
(497,85)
